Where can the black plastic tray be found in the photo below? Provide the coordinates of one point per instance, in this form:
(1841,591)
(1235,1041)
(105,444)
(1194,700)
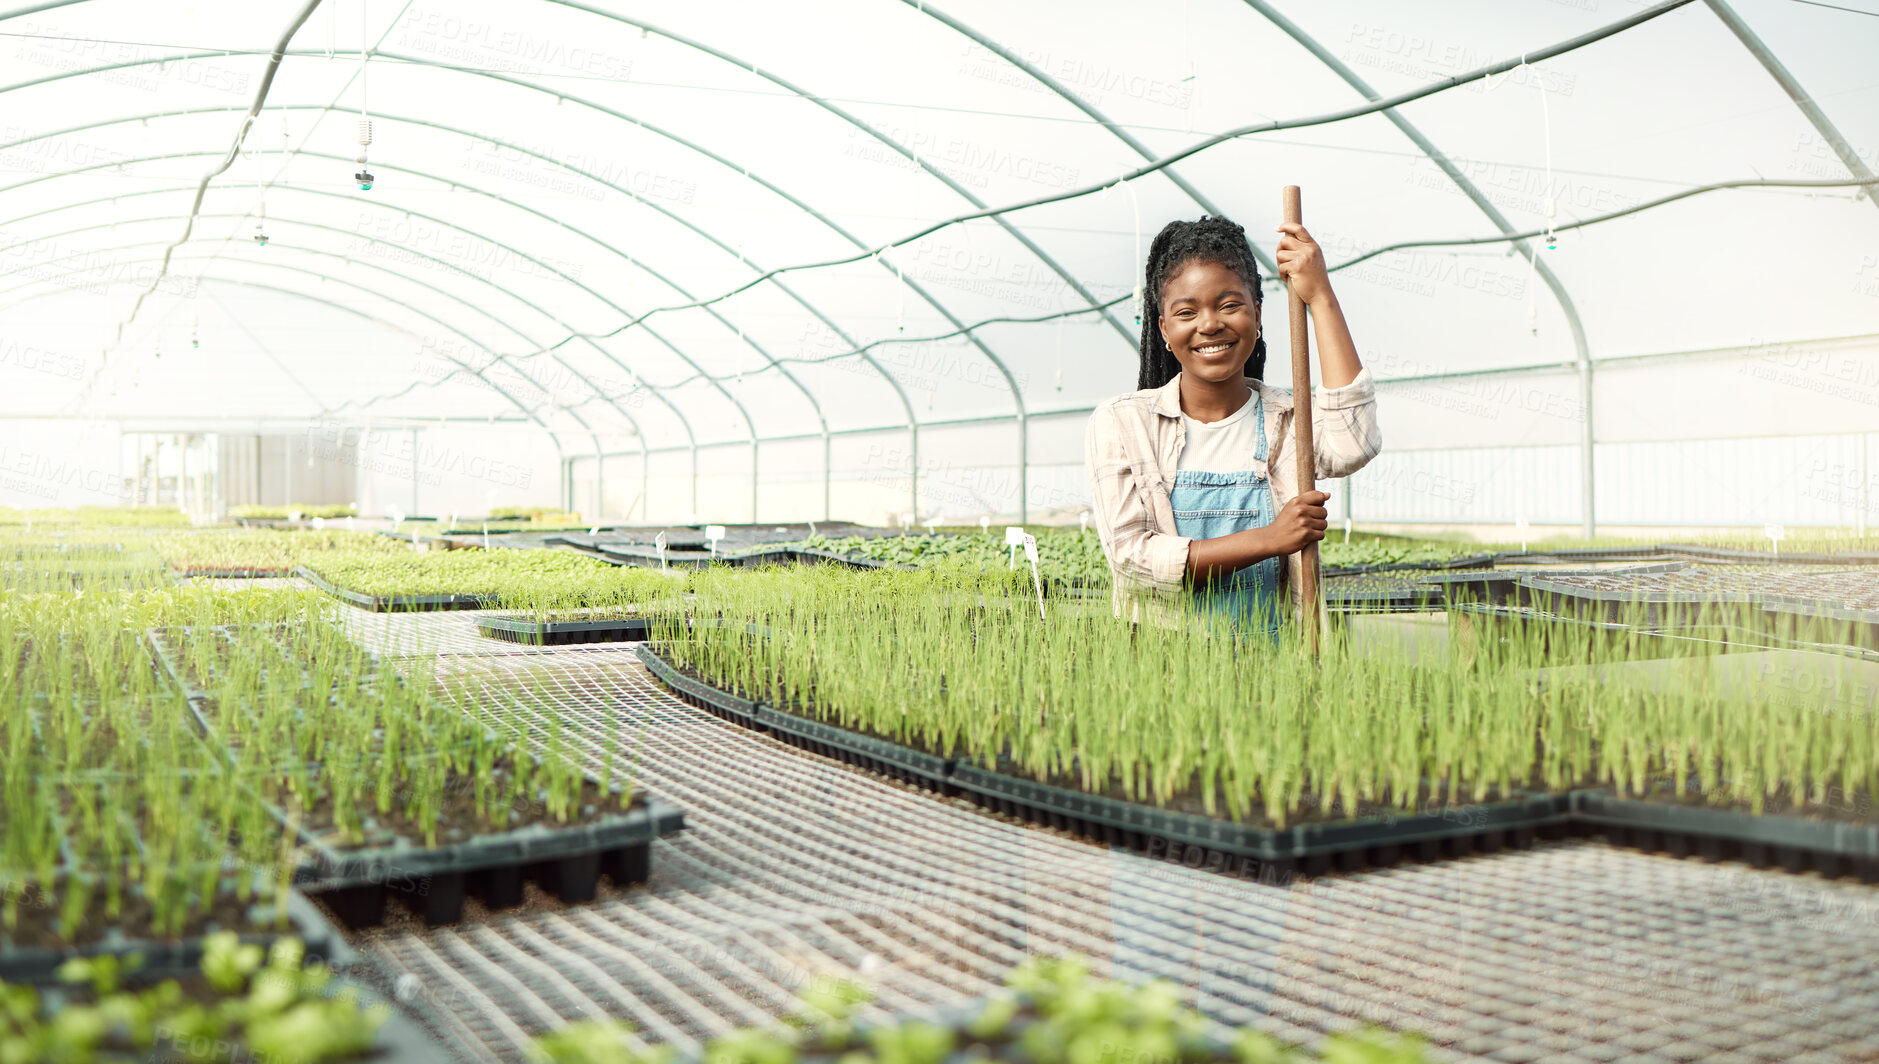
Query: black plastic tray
(1724,554)
(1646,608)
(184,957)
(1247,850)
(433,883)
(232,574)
(736,709)
(1804,618)
(1581,554)
(1831,847)
(560,633)
(1199,841)
(395,603)
(1346,600)
(750,559)
(884,756)
(1467,561)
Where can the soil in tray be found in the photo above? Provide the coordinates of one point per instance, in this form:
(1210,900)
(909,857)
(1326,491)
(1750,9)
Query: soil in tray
(458,819)
(1839,805)
(38,924)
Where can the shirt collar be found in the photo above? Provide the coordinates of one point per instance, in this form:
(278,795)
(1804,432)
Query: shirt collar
(1168,397)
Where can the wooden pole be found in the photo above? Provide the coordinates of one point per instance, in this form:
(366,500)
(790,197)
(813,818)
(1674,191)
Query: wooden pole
(1310,597)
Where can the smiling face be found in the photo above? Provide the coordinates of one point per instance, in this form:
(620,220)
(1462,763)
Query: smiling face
(1209,320)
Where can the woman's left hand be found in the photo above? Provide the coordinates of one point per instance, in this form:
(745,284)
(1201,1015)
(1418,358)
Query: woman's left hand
(1301,263)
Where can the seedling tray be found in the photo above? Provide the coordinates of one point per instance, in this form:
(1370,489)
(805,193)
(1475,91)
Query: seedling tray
(1198,841)
(433,882)
(1762,557)
(1246,850)
(395,603)
(1647,608)
(185,572)
(1581,554)
(1469,561)
(1796,843)
(734,708)
(1803,618)
(1378,600)
(562,633)
(750,559)
(162,960)
(884,756)
(1500,586)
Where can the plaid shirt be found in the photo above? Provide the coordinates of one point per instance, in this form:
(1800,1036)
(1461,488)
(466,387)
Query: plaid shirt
(1134,443)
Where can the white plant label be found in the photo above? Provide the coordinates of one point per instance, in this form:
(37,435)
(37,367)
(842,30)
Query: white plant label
(714,533)
(1014,538)
(1083,521)
(985,524)
(906,519)
(659,541)
(1030,554)
(485,535)
(1775,534)
(1520,528)
(931,524)
(293,515)
(1347,531)
(319,523)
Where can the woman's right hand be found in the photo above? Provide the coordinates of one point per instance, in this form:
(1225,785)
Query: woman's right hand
(1301,520)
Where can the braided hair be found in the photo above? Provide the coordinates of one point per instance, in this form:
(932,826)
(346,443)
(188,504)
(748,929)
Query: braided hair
(1208,240)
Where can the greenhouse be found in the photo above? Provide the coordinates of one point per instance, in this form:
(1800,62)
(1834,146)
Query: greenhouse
(741,532)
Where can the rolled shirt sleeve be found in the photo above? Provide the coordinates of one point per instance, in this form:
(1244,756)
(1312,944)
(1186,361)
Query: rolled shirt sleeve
(1344,429)
(1122,509)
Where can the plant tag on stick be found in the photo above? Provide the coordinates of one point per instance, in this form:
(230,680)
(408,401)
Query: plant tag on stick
(1520,528)
(1014,538)
(714,533)
(985,524)
(485,535)
(659,541)
(1030,554)
(1083,521)
(1775,534)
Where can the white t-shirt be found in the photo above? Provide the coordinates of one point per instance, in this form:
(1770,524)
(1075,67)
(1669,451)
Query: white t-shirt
(1226,446)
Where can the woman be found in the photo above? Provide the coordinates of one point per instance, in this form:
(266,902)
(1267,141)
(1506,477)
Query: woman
(1192,478)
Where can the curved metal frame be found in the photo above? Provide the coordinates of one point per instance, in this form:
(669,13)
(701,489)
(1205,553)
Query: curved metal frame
(441,262)
(1493,213)
(497,388)
(560,451)
(496,243)
(914,286)
(1087,108)
(638,431)
(1718,7)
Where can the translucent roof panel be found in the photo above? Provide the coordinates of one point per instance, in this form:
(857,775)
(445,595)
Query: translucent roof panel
(665,225)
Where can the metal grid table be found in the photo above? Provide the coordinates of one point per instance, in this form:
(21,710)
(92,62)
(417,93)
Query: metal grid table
(795,868)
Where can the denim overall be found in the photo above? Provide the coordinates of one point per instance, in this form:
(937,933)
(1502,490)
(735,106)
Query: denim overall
(1207,505)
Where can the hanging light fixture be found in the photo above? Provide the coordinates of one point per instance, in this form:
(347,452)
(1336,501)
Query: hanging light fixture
(364,176)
